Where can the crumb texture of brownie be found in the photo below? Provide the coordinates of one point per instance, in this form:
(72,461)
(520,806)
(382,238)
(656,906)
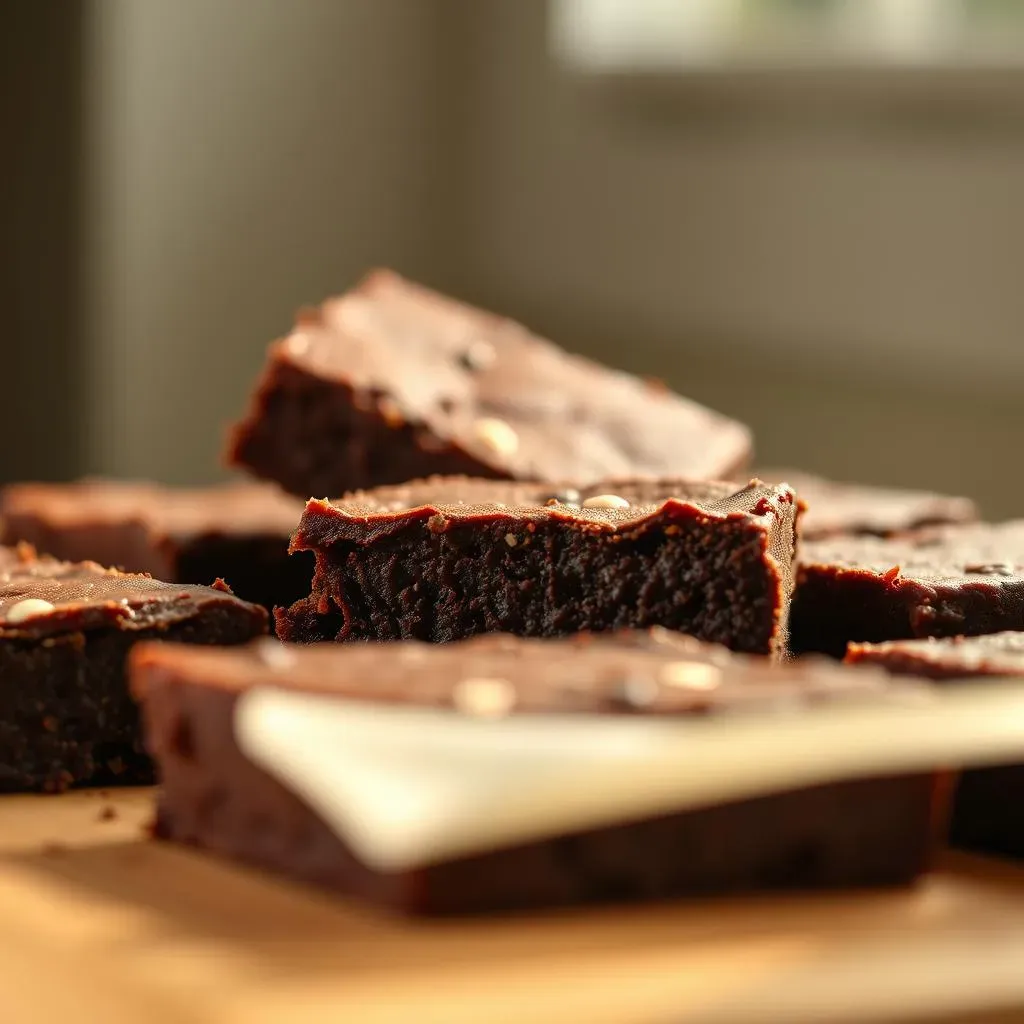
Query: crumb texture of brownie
(941,581)
(835,509)
(391,382)
(66,717)
(857,832)
(450,558)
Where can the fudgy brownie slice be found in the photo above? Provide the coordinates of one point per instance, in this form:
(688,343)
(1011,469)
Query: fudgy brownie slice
(236,532)
(66,717)
(833,508)
(955,657)
(941,581)
(499,772)
(391,382)
(989,809)
(446,558)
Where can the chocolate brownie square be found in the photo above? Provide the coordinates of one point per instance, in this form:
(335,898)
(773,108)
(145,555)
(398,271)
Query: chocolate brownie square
(988,812)
(833,508)
(500,773)
(942,581)
(235,532)
(392,381)
(450,557)
(66,717)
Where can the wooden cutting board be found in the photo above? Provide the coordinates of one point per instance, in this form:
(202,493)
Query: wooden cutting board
(99,923)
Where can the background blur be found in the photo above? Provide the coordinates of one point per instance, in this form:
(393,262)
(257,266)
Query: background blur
(806,213)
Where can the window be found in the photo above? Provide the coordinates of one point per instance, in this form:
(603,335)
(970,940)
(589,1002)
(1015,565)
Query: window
(631,35)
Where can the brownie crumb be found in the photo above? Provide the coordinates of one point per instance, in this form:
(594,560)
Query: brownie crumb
(107,813)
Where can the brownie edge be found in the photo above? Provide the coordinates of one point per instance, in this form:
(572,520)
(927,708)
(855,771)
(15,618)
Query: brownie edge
(878,831)
(987,813)
(392,381)
(451,557)
(66,718)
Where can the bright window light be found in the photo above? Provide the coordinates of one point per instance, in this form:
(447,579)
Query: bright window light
(624,35)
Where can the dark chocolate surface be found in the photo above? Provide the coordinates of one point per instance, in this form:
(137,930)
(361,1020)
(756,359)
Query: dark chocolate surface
(941,581)
(835,508)
(238,532)
(849,833)
(392,381)
(176,512)
(957,657)
(653,672)
(457,497)
(65,630)
(87,596)
(448,558)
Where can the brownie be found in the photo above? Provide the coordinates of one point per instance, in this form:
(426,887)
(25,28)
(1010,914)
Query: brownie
(480,749)
(955,657)
(989,809)
(447,558)
(392,381)
(941,581)
(833,508)
(66,717)
(236,532)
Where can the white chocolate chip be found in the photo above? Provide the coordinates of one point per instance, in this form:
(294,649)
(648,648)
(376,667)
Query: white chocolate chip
(479,355)
(391,413)
(29,608)
(606,501)
(639,691)
(274,654)
(496,435)
(484,697)
(298,344)
(692,675)
(570,496)
(510,539)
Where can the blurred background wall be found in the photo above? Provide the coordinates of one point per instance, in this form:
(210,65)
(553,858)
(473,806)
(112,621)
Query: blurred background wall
(833,257)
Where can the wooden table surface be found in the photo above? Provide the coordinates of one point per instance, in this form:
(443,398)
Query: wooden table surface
(99,923)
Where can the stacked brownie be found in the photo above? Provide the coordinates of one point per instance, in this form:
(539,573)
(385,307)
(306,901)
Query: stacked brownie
(628,729)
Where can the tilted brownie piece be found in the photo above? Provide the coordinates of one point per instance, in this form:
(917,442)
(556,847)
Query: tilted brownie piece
(391,382)
(66,717)
(500,772)
(834,508)
(955,657)
(236,532)
(942,581)
(989,809)
(447,558)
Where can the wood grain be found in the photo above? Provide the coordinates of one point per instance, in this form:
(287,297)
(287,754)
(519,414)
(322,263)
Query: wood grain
(99,923)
